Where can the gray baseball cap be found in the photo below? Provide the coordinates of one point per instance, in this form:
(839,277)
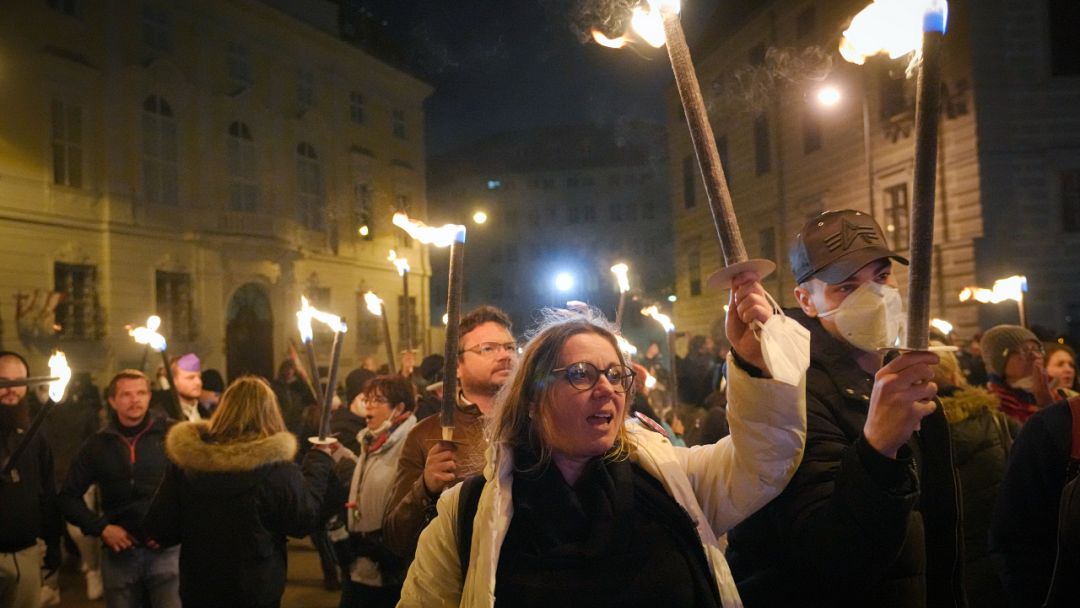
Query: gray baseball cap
(836,244)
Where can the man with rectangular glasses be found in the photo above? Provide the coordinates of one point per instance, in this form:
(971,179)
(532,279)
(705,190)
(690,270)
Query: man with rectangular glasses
(486,352)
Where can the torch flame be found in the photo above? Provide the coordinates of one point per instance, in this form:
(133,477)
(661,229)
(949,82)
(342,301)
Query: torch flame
(625,346)
(894,27)
(647,24)
(439,237)
(374,303)
(58,367)
(611,43)
(1009,288)
(664,320)
(308,313)
(942,325)
(148,334)
(620,271)
(650,380)
(401,263)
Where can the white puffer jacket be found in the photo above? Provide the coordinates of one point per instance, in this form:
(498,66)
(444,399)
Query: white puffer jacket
(719,485)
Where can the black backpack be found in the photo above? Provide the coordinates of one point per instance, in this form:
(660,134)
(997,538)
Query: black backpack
(468,501)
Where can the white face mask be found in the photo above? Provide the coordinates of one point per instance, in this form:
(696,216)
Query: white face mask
(785,346)
(871,317)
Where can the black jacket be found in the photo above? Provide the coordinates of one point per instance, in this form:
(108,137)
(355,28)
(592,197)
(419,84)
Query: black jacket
(127,471)
(1024,529)
(230,506)
(853,527)
(28,508)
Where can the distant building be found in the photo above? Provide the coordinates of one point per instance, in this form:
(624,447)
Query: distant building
(1008,195)
(208,161)
(563,205)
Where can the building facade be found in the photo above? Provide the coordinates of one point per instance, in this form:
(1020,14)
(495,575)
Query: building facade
(563,205)
(1005,189)
(206,161)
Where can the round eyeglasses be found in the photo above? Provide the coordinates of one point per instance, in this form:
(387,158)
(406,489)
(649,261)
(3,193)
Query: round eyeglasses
(584,375)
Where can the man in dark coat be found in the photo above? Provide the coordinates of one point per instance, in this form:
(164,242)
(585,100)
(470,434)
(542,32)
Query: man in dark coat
(871,516)
(127,461)
(27,496)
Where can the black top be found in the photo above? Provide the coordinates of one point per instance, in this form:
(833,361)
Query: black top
(614,539)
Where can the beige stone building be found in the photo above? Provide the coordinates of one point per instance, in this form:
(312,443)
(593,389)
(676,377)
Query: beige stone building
(788,157)
(209,161)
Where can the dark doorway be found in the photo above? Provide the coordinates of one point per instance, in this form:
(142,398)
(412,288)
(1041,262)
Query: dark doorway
(249,333)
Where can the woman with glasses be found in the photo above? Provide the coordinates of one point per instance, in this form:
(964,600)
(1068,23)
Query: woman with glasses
(581,506)
(374,574)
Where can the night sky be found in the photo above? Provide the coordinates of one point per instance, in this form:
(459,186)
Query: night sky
(500,65)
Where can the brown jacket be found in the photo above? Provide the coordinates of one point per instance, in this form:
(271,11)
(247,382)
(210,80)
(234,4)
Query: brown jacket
(411,507)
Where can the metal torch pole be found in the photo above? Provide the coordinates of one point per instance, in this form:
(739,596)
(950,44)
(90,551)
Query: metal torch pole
(313,369)
(674,388)
(406,312)
(927,116)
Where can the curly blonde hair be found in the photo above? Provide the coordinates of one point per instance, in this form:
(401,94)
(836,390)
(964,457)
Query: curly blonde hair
(521,419)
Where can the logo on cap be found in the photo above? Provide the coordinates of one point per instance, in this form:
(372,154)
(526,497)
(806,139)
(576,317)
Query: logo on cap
(847,235)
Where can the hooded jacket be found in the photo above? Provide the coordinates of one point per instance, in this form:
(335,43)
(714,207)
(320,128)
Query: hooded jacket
(230,507)
(718,485)
(854,527)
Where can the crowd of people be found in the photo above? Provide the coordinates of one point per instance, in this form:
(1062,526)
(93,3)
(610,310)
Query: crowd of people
(792,458)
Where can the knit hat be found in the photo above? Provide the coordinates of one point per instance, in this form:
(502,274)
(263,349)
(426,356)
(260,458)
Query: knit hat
(355,383)
(999,342)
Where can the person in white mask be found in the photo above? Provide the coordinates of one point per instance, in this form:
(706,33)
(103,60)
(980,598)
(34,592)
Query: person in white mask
(871,515)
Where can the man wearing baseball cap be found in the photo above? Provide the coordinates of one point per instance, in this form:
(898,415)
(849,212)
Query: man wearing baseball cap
(871,516)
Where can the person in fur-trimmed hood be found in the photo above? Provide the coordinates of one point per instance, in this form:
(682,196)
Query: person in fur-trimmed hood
(231,495)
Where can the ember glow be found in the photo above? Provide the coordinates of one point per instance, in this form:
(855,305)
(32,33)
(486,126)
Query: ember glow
(442,236)
(892,27)
(659,317)
(401,263)
(611,43)
(148,333)
(58,368)
(620,271)
(374,303)
(307,313)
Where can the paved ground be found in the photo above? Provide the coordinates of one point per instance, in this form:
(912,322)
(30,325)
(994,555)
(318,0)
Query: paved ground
(304,588)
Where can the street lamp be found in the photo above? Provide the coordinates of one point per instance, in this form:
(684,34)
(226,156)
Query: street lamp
(829,96)
(564,282)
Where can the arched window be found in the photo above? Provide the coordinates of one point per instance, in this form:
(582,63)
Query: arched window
(243,186)
(310,207)
(159,152)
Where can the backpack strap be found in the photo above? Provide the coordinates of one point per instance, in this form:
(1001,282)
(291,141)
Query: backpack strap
(468,501)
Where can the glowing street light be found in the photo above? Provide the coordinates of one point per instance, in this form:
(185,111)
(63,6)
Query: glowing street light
(564,281)
(828,96)
(479,217)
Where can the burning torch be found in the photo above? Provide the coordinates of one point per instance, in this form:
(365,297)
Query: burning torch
(899,27)
(654,313)
(402,265)
(148,335)
(620,271)
(452,236)
(376,307)
(304,317)
(58,378)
